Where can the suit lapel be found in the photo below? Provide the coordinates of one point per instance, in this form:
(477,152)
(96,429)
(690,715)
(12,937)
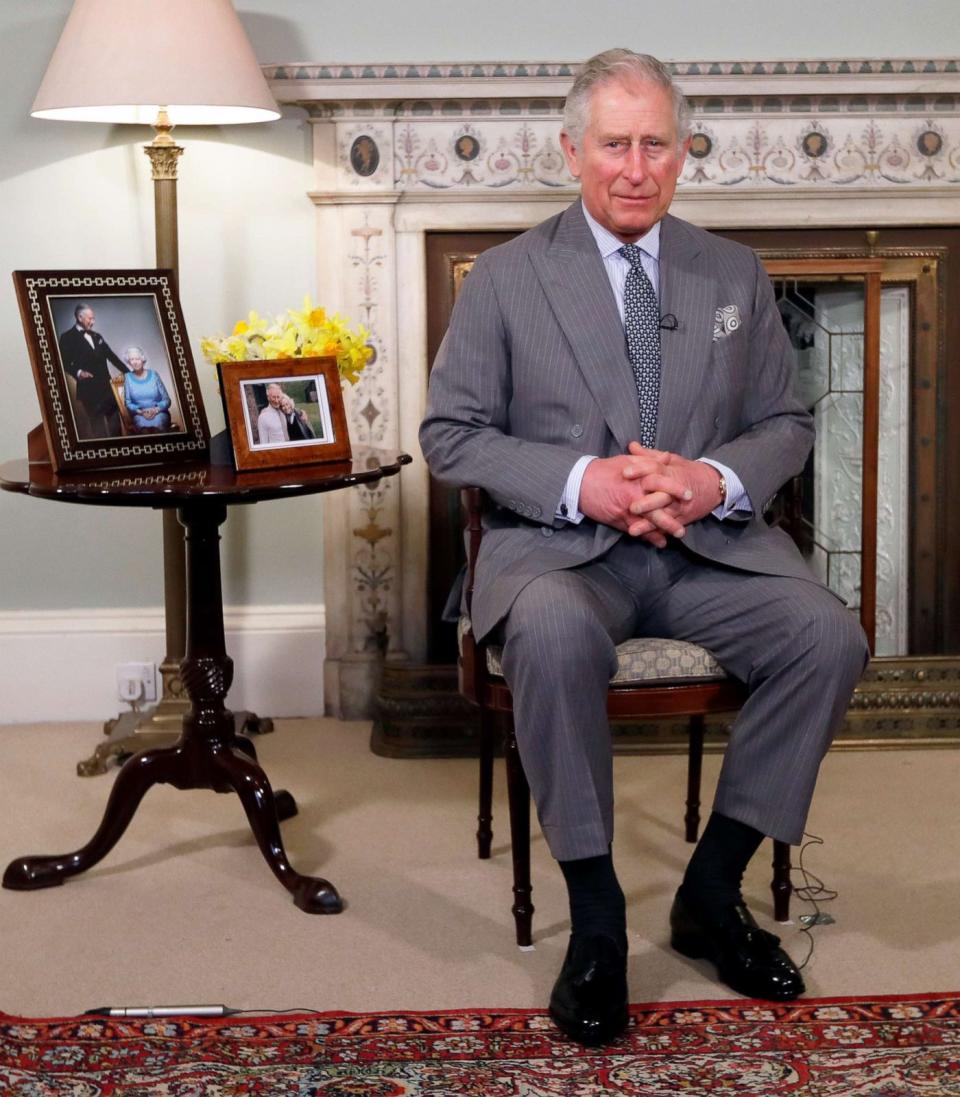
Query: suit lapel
(687,291)
(573,278)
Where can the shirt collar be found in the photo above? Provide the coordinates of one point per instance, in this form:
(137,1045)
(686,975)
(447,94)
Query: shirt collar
(610,244)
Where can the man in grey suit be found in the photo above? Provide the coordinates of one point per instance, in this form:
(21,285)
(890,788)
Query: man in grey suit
(621,385)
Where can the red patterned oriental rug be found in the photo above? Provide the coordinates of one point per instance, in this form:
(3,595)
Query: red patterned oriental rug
(836,1047)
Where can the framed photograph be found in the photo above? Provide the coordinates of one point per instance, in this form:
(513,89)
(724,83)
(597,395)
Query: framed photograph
(287,412)
(113,369)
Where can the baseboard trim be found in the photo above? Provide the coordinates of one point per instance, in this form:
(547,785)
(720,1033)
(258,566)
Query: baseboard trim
(61,664)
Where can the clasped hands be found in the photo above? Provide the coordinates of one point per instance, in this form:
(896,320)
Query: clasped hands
(647,493)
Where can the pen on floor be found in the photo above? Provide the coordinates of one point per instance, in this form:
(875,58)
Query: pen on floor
(160,1011)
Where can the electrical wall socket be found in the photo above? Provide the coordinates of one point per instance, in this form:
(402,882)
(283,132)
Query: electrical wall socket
(137,682)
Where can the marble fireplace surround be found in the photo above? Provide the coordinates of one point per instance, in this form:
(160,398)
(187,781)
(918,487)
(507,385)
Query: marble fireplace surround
(406,149)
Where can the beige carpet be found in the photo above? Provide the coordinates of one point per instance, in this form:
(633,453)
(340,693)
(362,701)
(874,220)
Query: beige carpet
(184,910)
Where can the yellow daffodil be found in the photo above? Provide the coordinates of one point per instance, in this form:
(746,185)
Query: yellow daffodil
(310,331)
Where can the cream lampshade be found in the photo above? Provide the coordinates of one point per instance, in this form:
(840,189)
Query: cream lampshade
(123,60)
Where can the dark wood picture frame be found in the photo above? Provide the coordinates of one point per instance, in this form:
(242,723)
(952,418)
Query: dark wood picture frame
(257,427)
(81,386)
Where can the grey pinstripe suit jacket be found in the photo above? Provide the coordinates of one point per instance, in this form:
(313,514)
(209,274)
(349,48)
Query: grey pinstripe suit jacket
(533,373)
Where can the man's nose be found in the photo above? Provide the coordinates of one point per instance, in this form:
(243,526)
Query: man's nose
(635,164)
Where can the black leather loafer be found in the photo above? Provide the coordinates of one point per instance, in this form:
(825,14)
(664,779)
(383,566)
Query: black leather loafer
(748,959)
(589,999)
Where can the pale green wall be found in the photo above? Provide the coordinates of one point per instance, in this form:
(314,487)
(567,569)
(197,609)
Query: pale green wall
(79,195)
(569,30)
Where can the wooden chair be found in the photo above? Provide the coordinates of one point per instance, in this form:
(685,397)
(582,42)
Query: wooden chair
(126,419)
(656,678)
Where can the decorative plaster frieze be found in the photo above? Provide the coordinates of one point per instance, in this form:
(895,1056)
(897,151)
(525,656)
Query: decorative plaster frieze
(306,82)
(726,153)
(879,124)
(915,151)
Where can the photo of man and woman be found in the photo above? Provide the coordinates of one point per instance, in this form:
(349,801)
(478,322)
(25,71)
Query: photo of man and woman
(286,411)
(117,373)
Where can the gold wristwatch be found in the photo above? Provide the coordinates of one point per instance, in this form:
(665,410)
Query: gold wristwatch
(723,489)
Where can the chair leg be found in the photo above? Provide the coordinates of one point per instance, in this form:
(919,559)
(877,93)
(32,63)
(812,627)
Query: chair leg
(781,886)
(694,767)
(485,810)
(518,792)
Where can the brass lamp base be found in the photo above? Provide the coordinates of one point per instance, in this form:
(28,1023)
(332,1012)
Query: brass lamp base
(160,726)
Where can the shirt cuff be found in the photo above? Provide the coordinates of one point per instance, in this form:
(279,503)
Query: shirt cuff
(569,508)
(737,498)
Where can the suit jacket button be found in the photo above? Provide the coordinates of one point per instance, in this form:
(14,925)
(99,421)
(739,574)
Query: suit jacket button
(576,430)
(547,532)
(716,421)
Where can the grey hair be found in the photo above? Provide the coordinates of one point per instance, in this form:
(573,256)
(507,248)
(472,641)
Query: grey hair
(81,308)
(622,66)
(129,352)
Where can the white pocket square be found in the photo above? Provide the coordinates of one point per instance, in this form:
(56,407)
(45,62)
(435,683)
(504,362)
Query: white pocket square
(725,321)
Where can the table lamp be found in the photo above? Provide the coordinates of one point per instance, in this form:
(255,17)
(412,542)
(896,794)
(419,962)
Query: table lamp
(161,63)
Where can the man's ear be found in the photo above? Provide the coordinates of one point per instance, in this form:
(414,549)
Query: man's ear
(570,154)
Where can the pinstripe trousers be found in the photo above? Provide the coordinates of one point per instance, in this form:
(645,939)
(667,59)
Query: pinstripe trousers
(797,648)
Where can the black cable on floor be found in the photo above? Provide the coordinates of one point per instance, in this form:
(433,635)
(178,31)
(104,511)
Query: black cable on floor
(813,891)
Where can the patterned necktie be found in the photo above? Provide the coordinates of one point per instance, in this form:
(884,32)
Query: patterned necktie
(641,318)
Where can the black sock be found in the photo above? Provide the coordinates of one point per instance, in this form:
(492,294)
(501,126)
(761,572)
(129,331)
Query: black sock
(713,876)
(597,905)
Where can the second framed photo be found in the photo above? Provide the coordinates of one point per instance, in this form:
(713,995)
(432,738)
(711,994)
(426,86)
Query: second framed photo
(286,412)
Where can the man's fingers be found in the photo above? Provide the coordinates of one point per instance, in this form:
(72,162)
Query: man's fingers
(638,529)
(656,482)
(642,466)
(655,537)
(654,501)
(659,522)
(661,455)
(667,523)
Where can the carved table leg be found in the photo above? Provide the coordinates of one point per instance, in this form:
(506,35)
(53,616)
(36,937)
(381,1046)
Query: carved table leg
(224,761)
(143,770)
(312,894)
(208,754)
(283,801)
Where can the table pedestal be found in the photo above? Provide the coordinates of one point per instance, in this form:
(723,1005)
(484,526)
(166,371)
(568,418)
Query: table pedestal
(208,754)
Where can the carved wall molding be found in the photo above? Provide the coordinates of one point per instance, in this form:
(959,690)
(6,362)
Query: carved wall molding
(874,122)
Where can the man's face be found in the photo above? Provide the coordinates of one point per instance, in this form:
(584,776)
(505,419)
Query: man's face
(629,159)
(274,395)
(86,319)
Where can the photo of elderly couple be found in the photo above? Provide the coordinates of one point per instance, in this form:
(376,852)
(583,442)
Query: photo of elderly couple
(115,392)
(285,411)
